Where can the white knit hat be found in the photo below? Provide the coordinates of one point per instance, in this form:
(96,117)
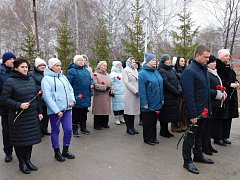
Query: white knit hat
(39,61)
(76,57)
(115,63)
(53,61)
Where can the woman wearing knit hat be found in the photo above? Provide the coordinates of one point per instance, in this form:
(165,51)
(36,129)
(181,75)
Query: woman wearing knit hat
(230,107)
(82,83)
(101,98)
(172,91)
(87,64)
(117,99)
(131,95)
(59,97)
(37,74)
(151,98)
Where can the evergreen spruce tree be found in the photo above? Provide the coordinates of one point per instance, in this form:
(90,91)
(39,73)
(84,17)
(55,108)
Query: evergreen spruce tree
(29,46)
(65,48)
(134,43)
(184,42)
(101,47)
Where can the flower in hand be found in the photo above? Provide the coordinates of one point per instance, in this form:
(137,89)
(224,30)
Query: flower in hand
(190,126)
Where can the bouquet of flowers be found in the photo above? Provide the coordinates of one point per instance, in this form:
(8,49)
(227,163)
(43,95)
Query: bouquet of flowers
(40,92)
(222,89)
(204,114)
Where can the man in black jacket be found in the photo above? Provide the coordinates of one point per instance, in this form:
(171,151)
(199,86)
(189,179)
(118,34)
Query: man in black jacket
(5,68)
(197,97)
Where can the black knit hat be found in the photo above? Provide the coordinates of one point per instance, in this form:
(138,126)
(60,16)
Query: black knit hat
(212,58)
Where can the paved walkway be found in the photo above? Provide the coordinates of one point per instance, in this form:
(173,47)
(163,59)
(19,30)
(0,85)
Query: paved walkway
(111,154)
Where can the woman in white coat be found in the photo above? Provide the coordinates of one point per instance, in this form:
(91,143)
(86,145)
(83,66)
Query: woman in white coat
(131,95)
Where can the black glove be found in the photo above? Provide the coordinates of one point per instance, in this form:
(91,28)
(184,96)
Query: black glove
(107,88)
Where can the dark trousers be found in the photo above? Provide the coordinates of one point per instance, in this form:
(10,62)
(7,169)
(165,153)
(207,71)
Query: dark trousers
(79,117)
(221,128)
(100,121)
(129,121)
(118,113)
(45,120)
(164,128)
(7,148)
(194,139)
(206,138)
(149,121)
(23,153)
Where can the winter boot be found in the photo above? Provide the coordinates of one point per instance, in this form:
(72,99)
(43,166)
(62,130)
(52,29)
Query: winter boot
(58,156)
(75,131)
(28,152)
(67,154)
(175,127)
(20,155)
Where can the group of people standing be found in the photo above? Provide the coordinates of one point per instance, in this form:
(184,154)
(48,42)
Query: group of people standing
(175,94)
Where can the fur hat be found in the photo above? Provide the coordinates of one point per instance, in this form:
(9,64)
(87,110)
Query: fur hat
(149,57)
(53,61)
(76,57)
(164,57)
(84,56)
(115,63)
(39,61)
(222,53)
(7,56)
(212,58)
(100,63)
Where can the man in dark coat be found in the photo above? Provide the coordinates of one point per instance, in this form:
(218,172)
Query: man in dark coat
(197,97)
(5,68)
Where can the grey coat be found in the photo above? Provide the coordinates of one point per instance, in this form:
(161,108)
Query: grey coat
(131,100)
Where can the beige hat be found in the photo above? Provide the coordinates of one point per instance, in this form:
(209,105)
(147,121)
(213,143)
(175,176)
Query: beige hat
(76,57)
(39,61)
(53,61)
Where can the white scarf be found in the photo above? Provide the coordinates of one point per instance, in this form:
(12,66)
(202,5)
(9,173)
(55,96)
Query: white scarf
(214,72)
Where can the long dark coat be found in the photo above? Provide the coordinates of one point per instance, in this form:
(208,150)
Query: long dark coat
(18,89)
(172,91)
(228,76)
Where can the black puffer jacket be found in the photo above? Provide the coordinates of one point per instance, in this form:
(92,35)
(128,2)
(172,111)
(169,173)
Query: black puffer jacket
(38,76)
(172,90)
(18,89)
(228,76)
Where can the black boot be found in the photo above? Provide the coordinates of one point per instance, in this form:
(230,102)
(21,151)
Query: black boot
(128,124)
(132,126)
(83,128)
(28,152)
(75,131)
(20,150)
(67,154)
(58,156)
(8,157)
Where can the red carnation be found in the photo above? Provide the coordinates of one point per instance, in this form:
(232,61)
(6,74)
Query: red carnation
(95,74)
(205,112)
(157,112)
(224,88)
(80,96)
(40,92)
(103,82)
(218,87)
(119,78)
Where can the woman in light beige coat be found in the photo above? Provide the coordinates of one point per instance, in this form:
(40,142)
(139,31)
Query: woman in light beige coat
(103,90)
(131,95)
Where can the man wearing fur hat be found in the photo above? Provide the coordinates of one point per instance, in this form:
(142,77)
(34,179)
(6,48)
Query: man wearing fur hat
(5,68)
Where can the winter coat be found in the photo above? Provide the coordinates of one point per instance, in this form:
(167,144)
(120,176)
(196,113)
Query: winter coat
(57,92)
(4,75)
(118,99)
(196,90)
(18,89)
(215,94)
(150,89)
(131,100)
(172,91)
(38,76)
(101,97)
(81,81)
(228,76)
